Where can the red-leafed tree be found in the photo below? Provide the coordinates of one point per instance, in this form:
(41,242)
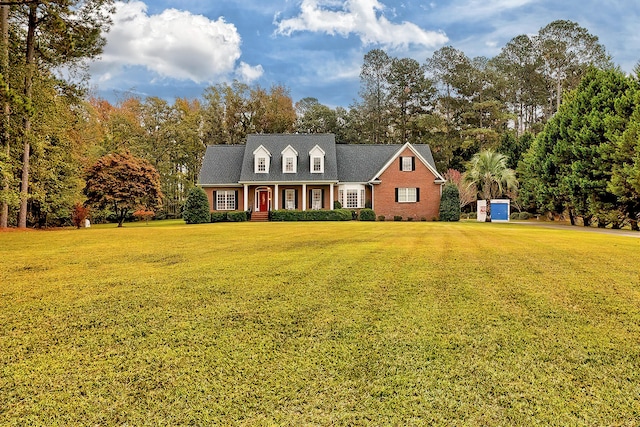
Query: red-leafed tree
(123,183)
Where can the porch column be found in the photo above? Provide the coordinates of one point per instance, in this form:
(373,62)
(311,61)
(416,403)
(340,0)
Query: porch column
(331,196)
(275,199)
(246,197)
(304,197)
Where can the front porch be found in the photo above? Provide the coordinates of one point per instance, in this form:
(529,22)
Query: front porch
(260,199)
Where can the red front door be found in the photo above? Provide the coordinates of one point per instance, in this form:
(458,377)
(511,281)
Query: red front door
(263,201)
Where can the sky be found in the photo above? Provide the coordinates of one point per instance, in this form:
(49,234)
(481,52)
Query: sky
(315,48)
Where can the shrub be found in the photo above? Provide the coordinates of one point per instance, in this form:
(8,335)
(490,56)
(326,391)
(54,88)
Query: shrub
(314,215)
(381,217)
(367,215)
(79,215)
(143,215)
(218,216)
(409,218)
(397,218)
(450,203)
(524,216)
(237,216)
(423,219)
(514,216)
(196,208)
(337,205)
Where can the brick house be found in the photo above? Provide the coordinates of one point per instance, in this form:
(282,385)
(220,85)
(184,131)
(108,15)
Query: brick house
(311,171)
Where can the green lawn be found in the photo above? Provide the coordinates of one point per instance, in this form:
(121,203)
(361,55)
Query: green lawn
(319,324)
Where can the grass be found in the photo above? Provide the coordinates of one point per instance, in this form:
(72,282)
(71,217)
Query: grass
(319,324)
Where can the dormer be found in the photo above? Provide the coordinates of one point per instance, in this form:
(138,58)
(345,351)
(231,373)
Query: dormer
(289,160)
(316,160)
(261,160)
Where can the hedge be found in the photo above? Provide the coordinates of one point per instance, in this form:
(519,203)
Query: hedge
(313,215)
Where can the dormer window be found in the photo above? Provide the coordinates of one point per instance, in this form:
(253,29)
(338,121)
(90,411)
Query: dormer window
(262,165)
(289,160)
(316,156)
(262,160)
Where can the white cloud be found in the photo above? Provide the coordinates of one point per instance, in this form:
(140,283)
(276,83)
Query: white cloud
(362,18)
(248,74)
(175,44)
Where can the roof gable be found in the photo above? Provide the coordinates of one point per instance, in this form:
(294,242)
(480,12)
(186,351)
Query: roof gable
(418,155)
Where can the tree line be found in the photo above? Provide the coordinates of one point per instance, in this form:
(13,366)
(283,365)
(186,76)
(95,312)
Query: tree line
(53,131)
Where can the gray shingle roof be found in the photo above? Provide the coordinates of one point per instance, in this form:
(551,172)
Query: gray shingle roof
(230,164)
(221,164)
(359,163)
(303,144)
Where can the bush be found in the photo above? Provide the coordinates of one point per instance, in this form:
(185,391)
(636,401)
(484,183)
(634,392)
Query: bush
(523,216)
(450,203)
(237,216)
(514,216)
(79,215)
(409,218)
(381,218)
(314,215)
(397,218)
(218,216)
(337,205)
(196,208)
(367,215)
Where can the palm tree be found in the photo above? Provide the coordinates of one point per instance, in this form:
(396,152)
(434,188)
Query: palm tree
(488,171)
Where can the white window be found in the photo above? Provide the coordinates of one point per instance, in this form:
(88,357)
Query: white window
(316,199)
(290,199)
(262,159)
(352,199)
(262,165)
(317,165)
(289,160)
(225,200)
(351,196)
(407,164)
(407,195)
(289,165)
(317,160)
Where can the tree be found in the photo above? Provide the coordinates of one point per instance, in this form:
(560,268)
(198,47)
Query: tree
(63,33)
(488,171)
(374,92)
(124,183)
(196,208)
(450,203)
(567,51)
(466,192)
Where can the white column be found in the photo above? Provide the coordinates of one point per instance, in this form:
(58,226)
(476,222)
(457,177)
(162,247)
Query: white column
(304,197)
(331,196)
(246,197)
(275,199)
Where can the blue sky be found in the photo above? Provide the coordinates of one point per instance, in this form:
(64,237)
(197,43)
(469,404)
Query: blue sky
(315,47)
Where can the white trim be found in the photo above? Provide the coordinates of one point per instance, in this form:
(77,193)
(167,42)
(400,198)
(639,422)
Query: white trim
(261,153)
(289,153)
(316,153)
(418,155)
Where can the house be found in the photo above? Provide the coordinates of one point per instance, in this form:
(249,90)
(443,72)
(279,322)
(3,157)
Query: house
(311,171)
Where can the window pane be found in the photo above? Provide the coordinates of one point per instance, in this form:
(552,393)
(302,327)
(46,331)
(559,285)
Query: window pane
(317,164)
(352,198)
(407,164)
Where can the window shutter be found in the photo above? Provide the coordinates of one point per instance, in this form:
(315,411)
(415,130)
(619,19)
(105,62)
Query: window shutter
(322,198)
(400,162)
(295,199)
(310,200)
(215,200)
(413,163)
(235,201)
(284,200)
(396,195)
(417,194)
